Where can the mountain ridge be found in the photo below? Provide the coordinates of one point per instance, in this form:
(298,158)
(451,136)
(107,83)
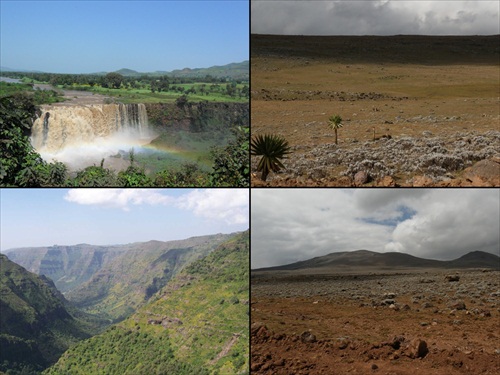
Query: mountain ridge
(196,324)
(367,258)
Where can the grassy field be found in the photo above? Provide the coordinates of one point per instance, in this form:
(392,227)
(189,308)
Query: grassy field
(129,95)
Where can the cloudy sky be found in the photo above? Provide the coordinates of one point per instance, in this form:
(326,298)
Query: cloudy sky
(290,225)
(375,17)
(45,217)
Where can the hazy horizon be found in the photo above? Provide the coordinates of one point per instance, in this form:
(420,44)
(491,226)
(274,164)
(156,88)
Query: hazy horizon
(10,69)
(44,217)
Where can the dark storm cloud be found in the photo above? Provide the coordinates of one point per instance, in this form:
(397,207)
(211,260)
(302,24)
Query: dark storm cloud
(289,225)
(377,17)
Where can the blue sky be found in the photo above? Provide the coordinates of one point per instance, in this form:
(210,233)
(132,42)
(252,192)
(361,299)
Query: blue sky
(46,217)
(93,36)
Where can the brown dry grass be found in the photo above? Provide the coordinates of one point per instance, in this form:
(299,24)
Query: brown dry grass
(295,89)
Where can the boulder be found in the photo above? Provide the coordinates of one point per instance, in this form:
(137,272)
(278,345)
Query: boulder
(418,349)
(361,178)
(452,278)
(307,337)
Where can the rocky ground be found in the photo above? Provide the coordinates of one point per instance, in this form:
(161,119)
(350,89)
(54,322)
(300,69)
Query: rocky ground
(392,323)
(460,159)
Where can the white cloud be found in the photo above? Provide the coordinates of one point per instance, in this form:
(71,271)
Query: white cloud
(374,17)
(289,225)
(117,198)
(230,205)
(451,222)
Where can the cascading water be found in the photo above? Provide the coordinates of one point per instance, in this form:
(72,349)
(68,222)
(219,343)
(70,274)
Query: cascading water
(72,133)
(59,126)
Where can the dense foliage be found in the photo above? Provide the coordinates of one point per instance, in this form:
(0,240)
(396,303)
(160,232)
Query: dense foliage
(35,325)
(124,352)
(20,164)
(232,162)
(196,324)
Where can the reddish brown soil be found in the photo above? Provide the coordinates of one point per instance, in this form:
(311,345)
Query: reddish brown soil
(339,324)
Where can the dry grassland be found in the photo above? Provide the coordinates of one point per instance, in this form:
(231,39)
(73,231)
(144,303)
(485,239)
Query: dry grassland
(439,95)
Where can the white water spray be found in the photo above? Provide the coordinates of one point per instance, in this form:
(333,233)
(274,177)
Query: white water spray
(82,135)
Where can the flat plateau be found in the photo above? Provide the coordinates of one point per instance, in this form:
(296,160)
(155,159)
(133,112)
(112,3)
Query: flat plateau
(417,110)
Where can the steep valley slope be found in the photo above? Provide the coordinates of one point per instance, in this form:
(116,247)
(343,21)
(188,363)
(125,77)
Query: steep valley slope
(196,324)
(36,323)
(113,281)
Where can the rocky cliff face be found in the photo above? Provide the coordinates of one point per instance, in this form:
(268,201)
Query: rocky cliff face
(67,266)
(198,117)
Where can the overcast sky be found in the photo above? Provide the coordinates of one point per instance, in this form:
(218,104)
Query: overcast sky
(46,217)
(375,17)
(87,36)
(290,225)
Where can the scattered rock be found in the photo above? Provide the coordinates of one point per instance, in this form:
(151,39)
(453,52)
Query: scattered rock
(418,349)
(361,178)
(422,181)
(452,278)
(458,305)
(386,181)
(487,170)
(308,337)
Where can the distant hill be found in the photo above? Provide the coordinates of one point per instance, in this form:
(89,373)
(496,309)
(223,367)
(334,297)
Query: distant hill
(35,324)
(197,324)
(128,72)
(365,258)
(113,281)
(233,71)
(476,259)
(6,69)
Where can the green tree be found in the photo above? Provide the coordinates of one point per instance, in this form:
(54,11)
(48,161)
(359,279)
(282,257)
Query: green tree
(17,157)
(335,123)
(232,163)
(114,80)
(272,148)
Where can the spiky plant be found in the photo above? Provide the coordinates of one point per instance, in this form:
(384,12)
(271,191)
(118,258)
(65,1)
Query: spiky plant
(272,148)
(335,123)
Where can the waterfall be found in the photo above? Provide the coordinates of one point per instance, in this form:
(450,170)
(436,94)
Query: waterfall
(64,126)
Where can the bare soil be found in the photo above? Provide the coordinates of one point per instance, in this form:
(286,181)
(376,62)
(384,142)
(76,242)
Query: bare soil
(434,94)
(75,97)
(375,323)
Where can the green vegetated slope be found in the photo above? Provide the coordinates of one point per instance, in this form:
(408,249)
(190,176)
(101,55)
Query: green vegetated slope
(197,324)
(36,326)
(121,286)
